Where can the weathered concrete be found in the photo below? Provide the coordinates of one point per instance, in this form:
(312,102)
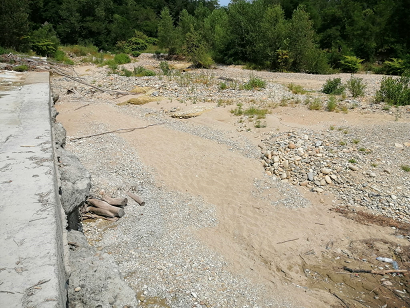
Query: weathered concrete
(32,225)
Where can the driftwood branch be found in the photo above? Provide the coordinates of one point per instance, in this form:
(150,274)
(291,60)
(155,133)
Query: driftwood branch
(121,130)
(115,201)
(136,198)
(104,209)
(94,216)
(351,270)
(295,239)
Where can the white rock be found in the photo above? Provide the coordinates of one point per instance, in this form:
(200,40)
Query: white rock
(326,170)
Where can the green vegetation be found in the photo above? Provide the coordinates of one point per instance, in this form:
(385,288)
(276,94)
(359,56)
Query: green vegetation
(333,86)
(250,112)
(122,58)
(310,36)
(356,86)
(316,104)
(140,71)
(394,91)
(353,161)
(21,68)
(355,141)
(296,89)
(166,70)
(405,168)
(254,83)
(331,105)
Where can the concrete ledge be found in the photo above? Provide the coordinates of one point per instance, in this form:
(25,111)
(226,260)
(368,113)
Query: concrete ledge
(32,270)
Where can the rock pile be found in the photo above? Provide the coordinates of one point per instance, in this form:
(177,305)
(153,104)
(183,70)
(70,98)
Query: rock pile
(322,162)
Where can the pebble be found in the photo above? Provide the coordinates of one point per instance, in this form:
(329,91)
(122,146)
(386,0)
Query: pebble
(77,289)
(353,167)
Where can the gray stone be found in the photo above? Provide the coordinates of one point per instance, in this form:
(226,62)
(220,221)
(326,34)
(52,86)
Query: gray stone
(75,181)
(97,276)
(59,135)
(310,176)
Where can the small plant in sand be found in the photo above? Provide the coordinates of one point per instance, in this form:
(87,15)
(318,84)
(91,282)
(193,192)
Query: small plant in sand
(355,141)
(356,86)
(255,83)
(296,89)
(333,86)
(405,168)
(316,104)
(259,124)
(331,104)
(353,161)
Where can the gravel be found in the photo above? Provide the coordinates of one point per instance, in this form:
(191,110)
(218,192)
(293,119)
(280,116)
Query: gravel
(155,246)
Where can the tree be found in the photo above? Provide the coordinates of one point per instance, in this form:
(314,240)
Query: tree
(14,23)
(168,36)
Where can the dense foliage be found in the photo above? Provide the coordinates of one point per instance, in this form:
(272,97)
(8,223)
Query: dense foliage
(296,35)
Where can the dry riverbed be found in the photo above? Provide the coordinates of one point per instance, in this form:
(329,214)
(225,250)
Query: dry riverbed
(244,212)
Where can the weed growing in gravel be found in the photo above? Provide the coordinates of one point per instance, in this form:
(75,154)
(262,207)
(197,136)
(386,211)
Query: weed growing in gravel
(238,111)
(362,149)
(166,70)
(374,165)
(296,89)
(122,58)
(140,71)
(331,104)
(125,72)
(284,102)
(386,108)
(222,86)
(254,83)
(224,102)
(353,161)
(405,168)
(356,86)
(333,86)
(255,112)
(344,109)
(316,104)
(332,127)
(258,124)
(20,68)
(342,143)
(355,141)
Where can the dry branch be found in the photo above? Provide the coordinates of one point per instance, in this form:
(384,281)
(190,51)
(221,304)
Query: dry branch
(122,130)
(136,198)
(351,270)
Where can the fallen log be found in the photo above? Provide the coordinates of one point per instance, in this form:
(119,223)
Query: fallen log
(106,209)
(115,201)
(136,198)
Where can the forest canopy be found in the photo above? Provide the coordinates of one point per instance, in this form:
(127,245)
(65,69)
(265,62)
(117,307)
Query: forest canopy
(285,35)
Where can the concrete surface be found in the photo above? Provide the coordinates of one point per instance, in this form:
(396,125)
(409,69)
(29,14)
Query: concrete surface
(32,231)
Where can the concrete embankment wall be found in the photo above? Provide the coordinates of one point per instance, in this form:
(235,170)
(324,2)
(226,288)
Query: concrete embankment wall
(32,222)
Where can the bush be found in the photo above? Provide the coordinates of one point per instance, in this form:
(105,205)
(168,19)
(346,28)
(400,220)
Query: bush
(81,51)
(296,89)
(333,86)
(356,86)
(140,71)
(21,68)
(135,54)
(331,104)
(122,58)
(350,64)
(254,83)
(395,66)
(394,91)
(44,41)
(316,104)
(165,68)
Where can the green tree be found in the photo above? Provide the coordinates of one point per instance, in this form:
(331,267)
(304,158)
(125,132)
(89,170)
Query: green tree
(168,36)
(14,23)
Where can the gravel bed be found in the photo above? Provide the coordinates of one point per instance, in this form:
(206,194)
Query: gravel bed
(155,245)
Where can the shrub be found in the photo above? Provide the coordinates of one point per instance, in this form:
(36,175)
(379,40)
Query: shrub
(296,89)
(126,73)
(254,83)
(21,68)
(331,105)
(222,86)
(356,86)
(350,64)
(122,58)
(255,112)
(394,67)
(333,86)
(140,71)
(165,68)
(315,104)
(394,91)
(135,54)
